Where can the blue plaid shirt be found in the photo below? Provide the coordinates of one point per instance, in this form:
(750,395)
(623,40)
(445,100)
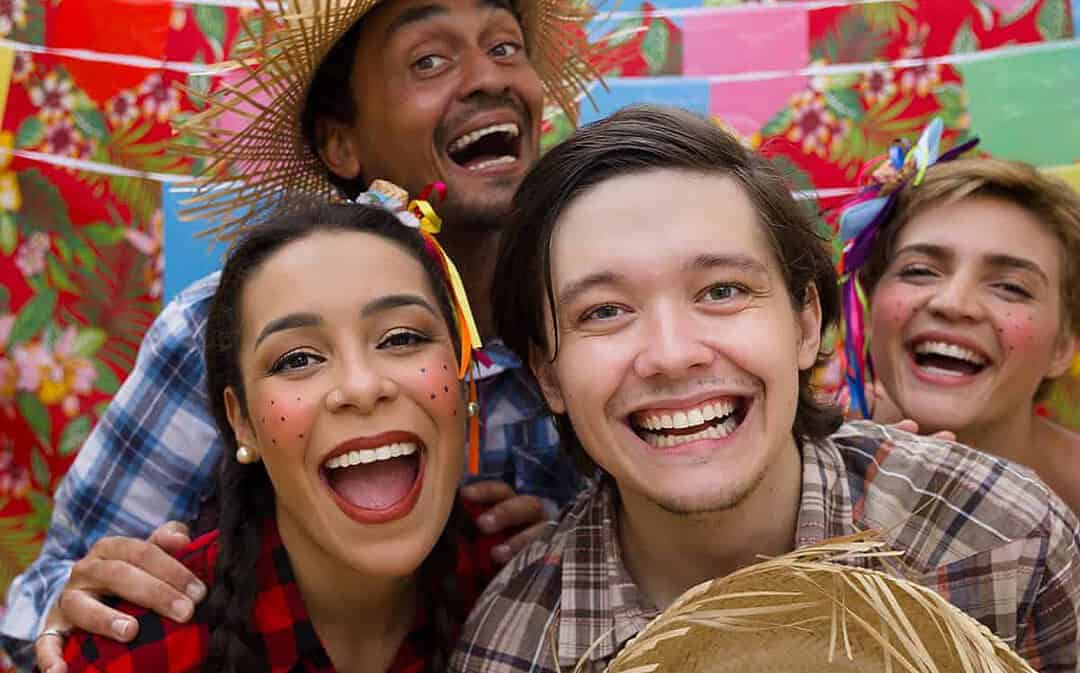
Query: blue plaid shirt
(153,456)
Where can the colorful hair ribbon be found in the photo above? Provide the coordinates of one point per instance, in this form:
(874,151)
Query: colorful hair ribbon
(419,214)
(861,220)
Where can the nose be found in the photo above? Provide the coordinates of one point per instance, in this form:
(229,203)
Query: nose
(359,386)
(673,345)
(956,299)
(483,76)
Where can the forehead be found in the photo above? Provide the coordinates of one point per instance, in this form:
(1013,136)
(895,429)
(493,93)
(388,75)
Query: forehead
(390,17)
(331,273)
(644,224)
(982,226)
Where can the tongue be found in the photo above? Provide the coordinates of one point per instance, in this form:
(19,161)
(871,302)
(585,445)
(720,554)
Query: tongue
(375,485)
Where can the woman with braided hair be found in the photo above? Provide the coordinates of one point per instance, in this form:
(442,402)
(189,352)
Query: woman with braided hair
(333,367)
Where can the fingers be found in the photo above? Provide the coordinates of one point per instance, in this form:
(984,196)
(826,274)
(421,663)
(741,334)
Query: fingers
(906,425)
(135,570)
(487,492)
(909,425)
(515,512)
(49,648)
(83,610)
(172,536)
(502,553)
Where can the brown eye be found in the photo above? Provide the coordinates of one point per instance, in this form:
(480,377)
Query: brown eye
(605,312)
(428,62)
(504,49)
(403,338)
(295,360)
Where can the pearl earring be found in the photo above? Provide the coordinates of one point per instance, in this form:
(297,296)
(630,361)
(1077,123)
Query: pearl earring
(472,409)
(245,456)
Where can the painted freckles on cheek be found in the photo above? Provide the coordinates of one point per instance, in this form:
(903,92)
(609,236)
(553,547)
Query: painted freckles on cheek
(437,382)
(286,421)
(1020,331)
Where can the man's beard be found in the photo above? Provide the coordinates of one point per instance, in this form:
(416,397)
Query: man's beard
(473,216)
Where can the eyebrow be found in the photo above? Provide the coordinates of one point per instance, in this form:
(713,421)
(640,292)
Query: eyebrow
(734,261)
(998,261)
(380,305)
(571,291)
(422,13)
(393,301)
(291,321)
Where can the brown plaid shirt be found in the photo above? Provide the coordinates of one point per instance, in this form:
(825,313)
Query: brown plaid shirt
(984,533)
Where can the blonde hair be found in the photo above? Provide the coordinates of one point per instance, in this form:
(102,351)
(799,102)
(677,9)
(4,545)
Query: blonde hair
(1048,199)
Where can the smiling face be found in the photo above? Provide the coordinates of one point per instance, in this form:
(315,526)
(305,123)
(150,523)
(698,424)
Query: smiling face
(352,401)
(678,347)
(967,318)
(445,93)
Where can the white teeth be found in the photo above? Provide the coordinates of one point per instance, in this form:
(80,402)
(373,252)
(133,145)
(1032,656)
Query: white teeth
(472,136)
(712,432)
(498,161)
(689,418)
(950,350)
(371,455)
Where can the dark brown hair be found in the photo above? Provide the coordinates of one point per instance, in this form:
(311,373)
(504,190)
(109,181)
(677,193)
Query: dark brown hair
(637,139)
(246,490)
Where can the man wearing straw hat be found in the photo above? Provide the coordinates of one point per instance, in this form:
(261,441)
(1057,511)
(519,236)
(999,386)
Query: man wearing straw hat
(672,299)
(342,92)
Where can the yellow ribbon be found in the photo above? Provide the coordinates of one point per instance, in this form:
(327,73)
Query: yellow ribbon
(429,220)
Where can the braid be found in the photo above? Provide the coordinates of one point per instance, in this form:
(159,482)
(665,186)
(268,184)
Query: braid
(230,606)
(439,574)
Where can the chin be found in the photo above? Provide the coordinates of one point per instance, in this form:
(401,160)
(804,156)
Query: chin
(397,557)
(700,493)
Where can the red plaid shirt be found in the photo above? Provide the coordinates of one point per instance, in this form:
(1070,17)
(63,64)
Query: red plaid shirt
(281,622)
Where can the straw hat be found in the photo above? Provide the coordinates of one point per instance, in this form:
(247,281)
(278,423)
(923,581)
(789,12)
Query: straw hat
(805,613)
(266,161)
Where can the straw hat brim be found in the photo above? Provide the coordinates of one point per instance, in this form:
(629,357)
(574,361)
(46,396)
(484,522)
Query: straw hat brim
(806,613)
(267,161)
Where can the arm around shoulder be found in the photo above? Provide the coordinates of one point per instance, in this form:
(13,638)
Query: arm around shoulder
(150,458)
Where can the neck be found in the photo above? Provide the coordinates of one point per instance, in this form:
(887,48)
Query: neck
(667,553)
(474,256)
(360,619)
(1009,437)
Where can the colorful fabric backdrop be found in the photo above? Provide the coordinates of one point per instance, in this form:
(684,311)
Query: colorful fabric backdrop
(87,93)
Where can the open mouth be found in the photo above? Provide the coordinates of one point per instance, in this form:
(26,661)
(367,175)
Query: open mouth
(947,359)
(487,147)
(714,419)
(376,480)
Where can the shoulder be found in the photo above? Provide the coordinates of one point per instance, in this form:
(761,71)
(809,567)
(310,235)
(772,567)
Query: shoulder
(161,644)
(512,618)
(183,319)
(1060,462)
(898,480)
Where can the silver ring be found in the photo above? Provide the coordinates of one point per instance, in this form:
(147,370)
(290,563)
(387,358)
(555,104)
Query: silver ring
(62,635)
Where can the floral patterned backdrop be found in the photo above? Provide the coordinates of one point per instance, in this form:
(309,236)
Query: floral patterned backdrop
(87,93)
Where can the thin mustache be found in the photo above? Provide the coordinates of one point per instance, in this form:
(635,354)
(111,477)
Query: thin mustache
(480,106)
(689,388)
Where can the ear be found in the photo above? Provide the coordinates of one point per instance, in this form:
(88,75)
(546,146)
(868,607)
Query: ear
(809,319)
(544,371)
(241,427)
(336,148)
(1064,352)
